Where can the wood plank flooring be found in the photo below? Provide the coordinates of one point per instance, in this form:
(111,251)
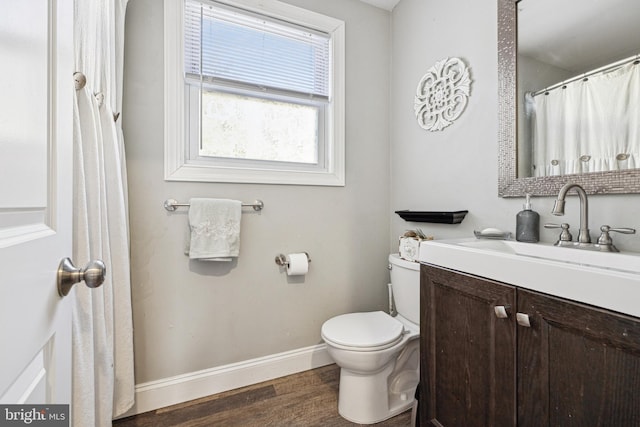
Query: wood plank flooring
(307,399)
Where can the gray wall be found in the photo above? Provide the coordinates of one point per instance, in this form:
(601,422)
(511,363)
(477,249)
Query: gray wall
(457,168)
(190,316)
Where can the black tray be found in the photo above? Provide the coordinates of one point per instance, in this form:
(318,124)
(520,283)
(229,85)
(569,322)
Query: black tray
(437,217)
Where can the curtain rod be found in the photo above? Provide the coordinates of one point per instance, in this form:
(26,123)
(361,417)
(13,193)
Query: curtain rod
(635,59)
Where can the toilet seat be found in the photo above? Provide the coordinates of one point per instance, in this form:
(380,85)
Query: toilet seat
(369,331)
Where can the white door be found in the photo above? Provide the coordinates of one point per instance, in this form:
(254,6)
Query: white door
(36,89)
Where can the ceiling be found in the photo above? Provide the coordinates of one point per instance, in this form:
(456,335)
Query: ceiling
(383,4)
(578,35)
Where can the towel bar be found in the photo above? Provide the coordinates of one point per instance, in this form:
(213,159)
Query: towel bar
(172,204)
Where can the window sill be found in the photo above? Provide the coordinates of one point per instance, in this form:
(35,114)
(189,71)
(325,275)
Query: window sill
(198,173)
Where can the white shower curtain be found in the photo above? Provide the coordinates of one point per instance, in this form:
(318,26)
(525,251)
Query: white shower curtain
(589,126)
(103,381)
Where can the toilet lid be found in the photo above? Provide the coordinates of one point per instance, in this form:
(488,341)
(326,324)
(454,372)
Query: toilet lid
(361,330)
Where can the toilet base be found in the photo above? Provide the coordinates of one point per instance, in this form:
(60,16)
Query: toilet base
(369,399)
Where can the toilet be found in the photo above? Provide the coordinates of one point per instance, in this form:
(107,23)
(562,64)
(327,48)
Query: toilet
(379,355)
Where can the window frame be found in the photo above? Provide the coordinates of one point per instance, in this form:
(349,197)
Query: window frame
(178,164)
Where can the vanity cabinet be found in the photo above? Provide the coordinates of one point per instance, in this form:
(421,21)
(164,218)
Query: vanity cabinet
(468,354)
(577,365)
(497,355)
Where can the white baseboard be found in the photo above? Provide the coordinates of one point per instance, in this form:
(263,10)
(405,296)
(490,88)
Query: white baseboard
(182,388)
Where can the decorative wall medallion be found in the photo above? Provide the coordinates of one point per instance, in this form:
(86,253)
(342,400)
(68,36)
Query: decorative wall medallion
(442,94)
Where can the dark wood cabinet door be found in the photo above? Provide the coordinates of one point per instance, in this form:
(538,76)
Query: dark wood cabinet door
(577,365)
(467,352)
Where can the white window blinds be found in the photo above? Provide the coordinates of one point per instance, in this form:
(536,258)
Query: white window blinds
(227,45)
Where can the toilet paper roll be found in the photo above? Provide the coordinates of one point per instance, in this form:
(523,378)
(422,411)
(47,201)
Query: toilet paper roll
(298,264)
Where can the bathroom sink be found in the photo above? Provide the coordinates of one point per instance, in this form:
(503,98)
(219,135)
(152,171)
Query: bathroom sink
(608,280)
(609,260)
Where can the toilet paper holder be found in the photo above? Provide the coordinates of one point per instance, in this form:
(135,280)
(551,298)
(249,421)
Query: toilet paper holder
(281,259)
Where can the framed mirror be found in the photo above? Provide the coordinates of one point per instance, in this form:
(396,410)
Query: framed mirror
(517,45)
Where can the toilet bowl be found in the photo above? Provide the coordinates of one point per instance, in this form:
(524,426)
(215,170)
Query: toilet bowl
(378,355)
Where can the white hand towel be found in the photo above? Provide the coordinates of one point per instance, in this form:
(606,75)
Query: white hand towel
(214,229)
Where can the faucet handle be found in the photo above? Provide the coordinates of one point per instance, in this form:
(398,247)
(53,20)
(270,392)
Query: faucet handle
(623,230)
(565,235)
(605,238)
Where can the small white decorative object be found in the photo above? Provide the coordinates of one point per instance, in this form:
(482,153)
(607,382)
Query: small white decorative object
(442,94)
(409,248)
(409,244)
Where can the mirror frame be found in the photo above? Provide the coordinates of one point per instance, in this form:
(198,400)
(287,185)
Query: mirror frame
(509,185)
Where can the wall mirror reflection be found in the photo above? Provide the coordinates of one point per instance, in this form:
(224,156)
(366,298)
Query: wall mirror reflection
(578,86)
(572,108)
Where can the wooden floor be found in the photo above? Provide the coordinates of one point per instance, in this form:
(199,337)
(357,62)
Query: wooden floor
(302,400)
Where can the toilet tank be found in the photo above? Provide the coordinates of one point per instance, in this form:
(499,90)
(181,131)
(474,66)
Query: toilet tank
(405,282)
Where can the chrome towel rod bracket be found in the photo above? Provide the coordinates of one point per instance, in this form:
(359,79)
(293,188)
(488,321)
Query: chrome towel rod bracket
(172,204)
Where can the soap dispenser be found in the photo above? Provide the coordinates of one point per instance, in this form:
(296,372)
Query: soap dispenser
(527,223)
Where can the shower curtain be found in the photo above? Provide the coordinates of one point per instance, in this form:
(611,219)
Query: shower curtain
(103,381)
(589,126)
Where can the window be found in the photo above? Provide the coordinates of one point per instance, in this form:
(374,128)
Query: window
(254,93)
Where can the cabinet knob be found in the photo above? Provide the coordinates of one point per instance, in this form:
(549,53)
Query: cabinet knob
(502,311)
(523,320)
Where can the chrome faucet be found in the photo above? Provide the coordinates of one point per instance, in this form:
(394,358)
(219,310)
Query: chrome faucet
(605,244)
(558,209)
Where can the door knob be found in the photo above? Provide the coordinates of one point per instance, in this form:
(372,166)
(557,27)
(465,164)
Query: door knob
(68,275)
